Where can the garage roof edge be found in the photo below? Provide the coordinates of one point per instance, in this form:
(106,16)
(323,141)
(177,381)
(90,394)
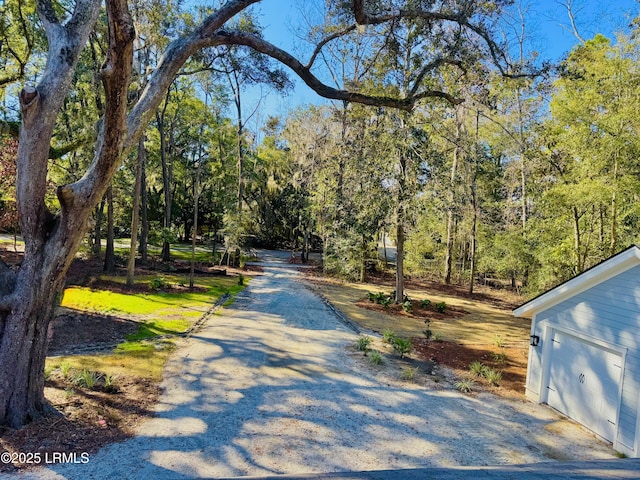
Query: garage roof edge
(600,272)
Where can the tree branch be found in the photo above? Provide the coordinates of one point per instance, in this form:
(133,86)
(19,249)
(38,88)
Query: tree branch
(495,50)
(262,46)
(326,40)
(172,60)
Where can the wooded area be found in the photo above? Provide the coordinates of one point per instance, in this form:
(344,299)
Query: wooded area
(478,164)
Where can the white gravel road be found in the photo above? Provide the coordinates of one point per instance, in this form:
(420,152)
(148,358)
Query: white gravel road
(271,385)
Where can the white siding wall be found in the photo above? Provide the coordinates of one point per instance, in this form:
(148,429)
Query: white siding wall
(610,312)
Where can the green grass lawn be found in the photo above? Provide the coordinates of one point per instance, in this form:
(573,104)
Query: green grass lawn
(160,316)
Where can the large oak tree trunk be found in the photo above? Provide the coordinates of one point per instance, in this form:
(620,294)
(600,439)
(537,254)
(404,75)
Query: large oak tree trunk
(52,241)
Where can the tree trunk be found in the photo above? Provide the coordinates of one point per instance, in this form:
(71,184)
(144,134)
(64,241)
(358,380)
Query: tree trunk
(52,241)
(166,181)
(448,260)
(110,254)
(131,264)
(143,247)
(614,211)
(577,240)
(196,195)
(399,256)
(97,231)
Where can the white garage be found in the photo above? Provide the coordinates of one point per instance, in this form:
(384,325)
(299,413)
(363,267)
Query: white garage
(584,354)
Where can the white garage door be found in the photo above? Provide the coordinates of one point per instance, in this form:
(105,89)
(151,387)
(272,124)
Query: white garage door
(583,383)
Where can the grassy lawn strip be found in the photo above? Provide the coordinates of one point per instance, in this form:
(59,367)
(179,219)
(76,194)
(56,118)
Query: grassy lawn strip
(161,314)
(106,301)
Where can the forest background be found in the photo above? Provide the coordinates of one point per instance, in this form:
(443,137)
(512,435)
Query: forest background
(528,182)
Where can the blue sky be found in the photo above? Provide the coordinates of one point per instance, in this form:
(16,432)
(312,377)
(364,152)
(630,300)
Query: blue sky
(547,22)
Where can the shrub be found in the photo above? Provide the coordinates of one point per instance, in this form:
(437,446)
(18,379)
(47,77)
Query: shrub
(86,378)
(493,376)
(386,302)
(409,373)
(437,337)
(371,296)
(465,386)
(407,307)
(425,303)
(375,357)
(158,283)
(388,335)
(498,341)
(500,357)
(477,368)
(441,307)
(65,369)
(363,343)
(402,346)
(427,332)
(109,383)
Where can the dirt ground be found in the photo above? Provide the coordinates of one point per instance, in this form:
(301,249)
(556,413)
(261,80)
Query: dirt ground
(474,327)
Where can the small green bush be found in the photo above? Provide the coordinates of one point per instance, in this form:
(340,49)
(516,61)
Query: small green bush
(477,368)
(375,357)
(386,302)
(158,283)
(371,296)
(500,357)
(402,346)
(441,307)
(409,373)
(86,378)
(425,303)
(363,343)
(465,385)
(65,369)
(388,335)
(498,341)
(407,307)
(493,376)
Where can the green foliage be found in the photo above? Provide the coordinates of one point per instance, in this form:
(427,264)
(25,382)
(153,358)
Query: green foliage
(65,369)
(441,307)
(385,302)
(493,376)
(465,385)
(477,368)
(241,280)
(159,283)
(425,303)
(375,357)
(363,343)
(402,346)
(407,306)
(498,341)
(500,357)
(409,373)
(437,337)
(388,335)
(86,379)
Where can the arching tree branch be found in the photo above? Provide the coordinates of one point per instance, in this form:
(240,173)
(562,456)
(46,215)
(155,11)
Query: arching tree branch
(305,74)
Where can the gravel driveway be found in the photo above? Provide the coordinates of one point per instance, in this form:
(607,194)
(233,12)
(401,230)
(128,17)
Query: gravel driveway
(272,385)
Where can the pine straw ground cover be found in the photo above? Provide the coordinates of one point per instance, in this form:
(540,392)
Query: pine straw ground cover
(107,350)
(478,327)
